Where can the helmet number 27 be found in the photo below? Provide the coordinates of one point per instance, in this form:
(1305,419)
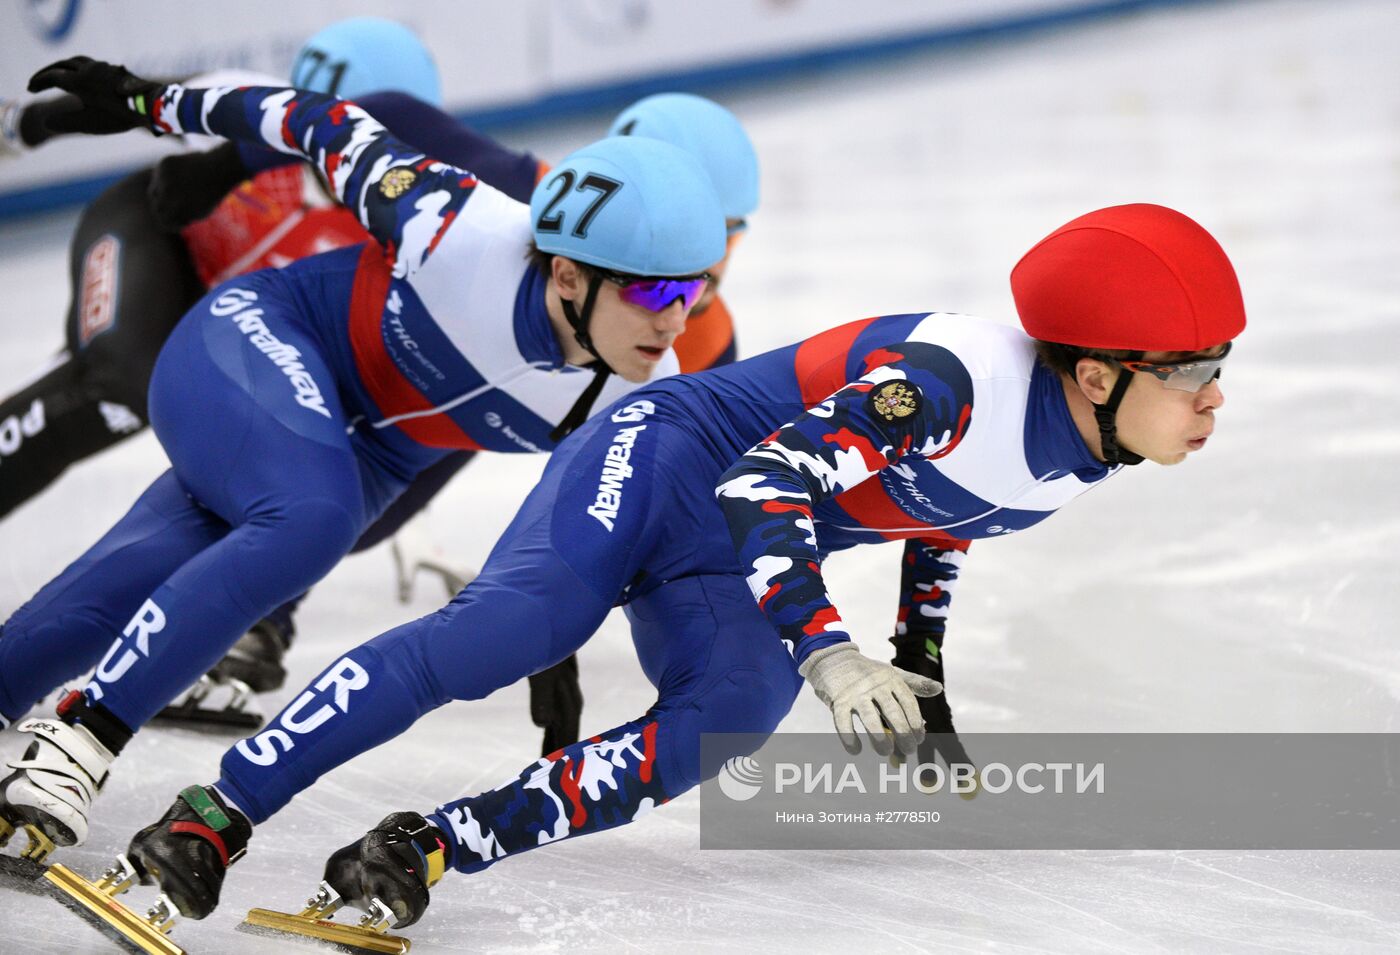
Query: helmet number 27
(551,221)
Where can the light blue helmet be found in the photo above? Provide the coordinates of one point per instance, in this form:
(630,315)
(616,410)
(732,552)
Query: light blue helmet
(367,55)
(707,131)
(633,205)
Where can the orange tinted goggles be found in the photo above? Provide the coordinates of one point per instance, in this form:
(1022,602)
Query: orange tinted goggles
(1182,375)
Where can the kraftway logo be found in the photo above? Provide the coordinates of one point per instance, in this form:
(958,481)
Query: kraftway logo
(633,412)
(236,303)
(616,468)
(494,420)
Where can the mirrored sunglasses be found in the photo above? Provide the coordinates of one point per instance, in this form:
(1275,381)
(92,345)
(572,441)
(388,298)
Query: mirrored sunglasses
(657,294)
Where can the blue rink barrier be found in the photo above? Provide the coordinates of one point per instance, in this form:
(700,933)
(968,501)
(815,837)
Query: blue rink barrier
(615,94)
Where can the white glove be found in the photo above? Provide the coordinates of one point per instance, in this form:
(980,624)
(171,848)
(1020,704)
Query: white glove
(851,683)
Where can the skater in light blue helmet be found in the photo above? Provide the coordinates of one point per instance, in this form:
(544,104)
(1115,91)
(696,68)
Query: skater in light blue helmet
(296,404)
(363,55)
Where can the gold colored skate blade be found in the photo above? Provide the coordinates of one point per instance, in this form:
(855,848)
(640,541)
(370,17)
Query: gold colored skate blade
(123,920)
(350,936)
(39,846)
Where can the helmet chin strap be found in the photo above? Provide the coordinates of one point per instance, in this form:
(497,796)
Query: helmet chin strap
(578,320)
(1106,415)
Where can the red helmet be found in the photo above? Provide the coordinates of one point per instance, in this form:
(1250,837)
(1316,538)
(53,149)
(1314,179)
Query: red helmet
(1138,277)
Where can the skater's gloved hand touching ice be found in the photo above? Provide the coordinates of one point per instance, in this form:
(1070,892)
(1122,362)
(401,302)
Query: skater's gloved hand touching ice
(942,739)
(915,653)
(113,98)
(556,703)
(882,695)
(396,862)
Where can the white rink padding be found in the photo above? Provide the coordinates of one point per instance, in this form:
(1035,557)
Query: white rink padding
(1250,589)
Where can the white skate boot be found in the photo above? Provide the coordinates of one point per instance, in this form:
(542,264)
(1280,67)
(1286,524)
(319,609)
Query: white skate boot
(53,784)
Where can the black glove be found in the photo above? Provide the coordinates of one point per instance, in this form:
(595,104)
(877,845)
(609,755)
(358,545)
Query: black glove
(112,99)
(911,653)
(187,187)
(942,738)
(556,703)
(396,862)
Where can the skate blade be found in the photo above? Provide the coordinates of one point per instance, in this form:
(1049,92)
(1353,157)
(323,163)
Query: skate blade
(98,903)
(454,579)
(231,722)
(403,547)
(412,550)
(192,713)
(352,938)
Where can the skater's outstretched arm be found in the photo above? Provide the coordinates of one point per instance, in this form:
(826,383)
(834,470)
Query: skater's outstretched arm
(930,572)
(188,186)
(28,125)
(405,199)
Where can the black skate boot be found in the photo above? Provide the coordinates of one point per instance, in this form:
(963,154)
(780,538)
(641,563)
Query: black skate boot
(256,659)
(394,865)
(190,849)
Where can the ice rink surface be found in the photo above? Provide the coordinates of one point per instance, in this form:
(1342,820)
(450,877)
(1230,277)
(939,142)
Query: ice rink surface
(1251,589)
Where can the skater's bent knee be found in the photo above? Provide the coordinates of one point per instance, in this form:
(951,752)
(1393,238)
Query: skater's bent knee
(743,701)
(283,551)
(324,529)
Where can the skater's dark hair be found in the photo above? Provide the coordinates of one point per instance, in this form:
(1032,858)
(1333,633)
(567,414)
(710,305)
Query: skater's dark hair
(1062,359)
(542,262)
